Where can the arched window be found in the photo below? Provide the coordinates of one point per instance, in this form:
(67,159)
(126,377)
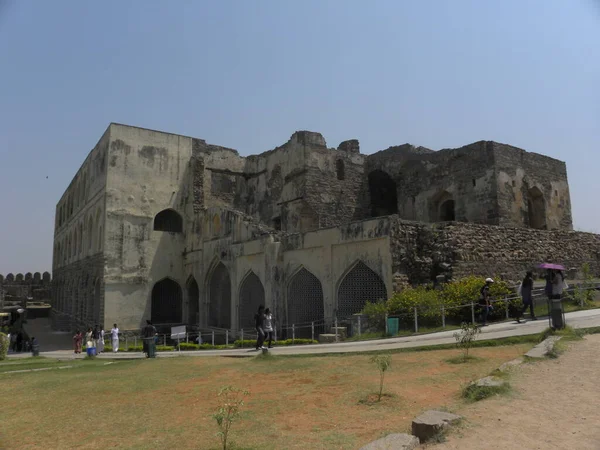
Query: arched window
(168,220)
(442,207)
(252,295)
(339,169)
(359,286)
(536,209)
(384,196)
(305,301)
(193,301)
(447,211)
(219,294)
(90,234)
(166,302)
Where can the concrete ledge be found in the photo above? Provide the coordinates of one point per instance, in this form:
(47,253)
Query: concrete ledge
(542,349)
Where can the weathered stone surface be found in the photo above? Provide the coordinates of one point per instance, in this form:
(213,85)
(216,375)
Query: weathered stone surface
(510,364)
(397,441)
(543,348)
(489,382)
(431,423)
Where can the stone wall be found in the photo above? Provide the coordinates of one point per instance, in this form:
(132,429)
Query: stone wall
(20,288)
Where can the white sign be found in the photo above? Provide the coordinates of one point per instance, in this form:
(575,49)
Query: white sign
(178,332)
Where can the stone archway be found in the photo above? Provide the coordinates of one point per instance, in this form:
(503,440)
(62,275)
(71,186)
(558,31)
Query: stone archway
(252,295)
(359,286)
(305,303)
(219,295)
(383,194)
(536,209)
(193,294)
(166,302)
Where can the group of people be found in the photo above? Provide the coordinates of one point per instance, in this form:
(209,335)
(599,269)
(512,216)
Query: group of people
(94,338)
(555,285)
(19,342)
(263,322)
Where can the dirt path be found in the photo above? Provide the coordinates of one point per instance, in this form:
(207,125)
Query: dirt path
(555,405)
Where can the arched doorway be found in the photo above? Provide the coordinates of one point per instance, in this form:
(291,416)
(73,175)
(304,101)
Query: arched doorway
(166,302)
(305,303)
(359,286)
(252,295)
(168,220)
(219,294)
(446,212)
(536,209)
(384,195)
(193,302)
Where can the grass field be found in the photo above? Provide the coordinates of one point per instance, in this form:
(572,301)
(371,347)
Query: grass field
(295,403)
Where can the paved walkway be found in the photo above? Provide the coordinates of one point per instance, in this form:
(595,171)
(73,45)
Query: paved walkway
(577,319)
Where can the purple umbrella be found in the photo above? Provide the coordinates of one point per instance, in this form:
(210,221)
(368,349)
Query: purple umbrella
(551,266)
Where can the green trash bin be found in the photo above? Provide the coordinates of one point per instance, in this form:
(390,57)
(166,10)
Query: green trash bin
(393,324)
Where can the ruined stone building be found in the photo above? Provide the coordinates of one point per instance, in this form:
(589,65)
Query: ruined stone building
(19,290)
(170,228)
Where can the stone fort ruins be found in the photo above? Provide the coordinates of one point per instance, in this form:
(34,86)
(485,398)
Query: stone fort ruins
(170,228)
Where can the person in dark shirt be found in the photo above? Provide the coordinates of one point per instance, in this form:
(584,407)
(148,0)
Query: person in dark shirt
(484,301)
(526,295)
(259,320)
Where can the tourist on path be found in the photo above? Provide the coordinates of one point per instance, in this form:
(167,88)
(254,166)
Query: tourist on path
(268,327)
(484,301)
(89,338)
(100,345)
(558,284)
(526,293)
(114,338)
(149,335)
(77,342)
(259,320)
(96,336)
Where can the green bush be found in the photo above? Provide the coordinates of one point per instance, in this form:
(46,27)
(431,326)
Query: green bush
(376,313)
(252,342)
(188,346)
(164,348)
(4,343)
(135,348)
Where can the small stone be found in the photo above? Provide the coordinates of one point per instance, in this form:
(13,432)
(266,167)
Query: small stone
(399,441)
(489,382)
(431,423)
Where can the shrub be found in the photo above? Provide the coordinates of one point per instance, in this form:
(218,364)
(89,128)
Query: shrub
(135,348)
(376,312)
(188,346)
(232,399)
(164,348)
(383,363)
(465,338)
(4,343)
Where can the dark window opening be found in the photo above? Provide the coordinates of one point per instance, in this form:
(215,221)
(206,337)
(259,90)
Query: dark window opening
(219,291)
(536,214)
(514,183)
(305,304)
(193,302)
(252,295)
(166,302)
(474,182)
(168,220)
(340,170)
(277,223)
(384,197)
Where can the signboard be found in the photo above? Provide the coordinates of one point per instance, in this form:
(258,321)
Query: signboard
(178,332)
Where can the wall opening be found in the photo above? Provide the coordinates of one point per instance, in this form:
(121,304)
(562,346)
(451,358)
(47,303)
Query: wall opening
(359,286)
(277,223)
(536,217)
(219,294)
(166,302)
(252,295)
(305,303)
(168,220)
(193,293)
(340,169)
(447,211)
(384,196)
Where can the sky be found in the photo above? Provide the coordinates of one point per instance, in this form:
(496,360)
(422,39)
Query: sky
(247,74)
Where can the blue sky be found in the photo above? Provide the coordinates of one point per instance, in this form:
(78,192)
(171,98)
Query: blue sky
(247,74)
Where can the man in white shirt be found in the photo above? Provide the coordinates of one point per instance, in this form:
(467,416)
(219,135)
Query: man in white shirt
(114,337)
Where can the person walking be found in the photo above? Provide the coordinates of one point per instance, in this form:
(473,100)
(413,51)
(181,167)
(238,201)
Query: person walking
(95,336)
(268,327)
(89,340)
(558,284)
(100,345)
(77,342)
(114,338)
(484,301)
(526,293)
(149,335)
(259,319)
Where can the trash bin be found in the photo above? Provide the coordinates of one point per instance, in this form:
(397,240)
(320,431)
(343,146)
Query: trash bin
(91,351)
(393,324)
(556,314)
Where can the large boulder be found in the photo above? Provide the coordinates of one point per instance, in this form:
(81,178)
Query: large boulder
(399,441)
(432,423)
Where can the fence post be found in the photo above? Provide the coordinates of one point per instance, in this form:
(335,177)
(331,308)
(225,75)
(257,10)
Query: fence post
(416,321)
(200,336)
(443,317)
(164,339)
(506,306)
(336,330)
(186,338)
(473,313)
(226,337)
(386,326)
(359,326)
(312,330)
(135,341)
(242,336)
(293,333)
(126,344)
(213,338)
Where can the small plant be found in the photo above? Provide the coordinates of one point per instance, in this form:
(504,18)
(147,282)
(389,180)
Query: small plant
(466,337)
(383,363)
(475,393)
(232,399)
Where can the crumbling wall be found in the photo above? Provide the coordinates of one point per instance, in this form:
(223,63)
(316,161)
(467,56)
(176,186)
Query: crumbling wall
(522,175)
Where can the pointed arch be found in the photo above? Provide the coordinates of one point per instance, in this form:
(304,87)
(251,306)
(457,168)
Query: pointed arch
(219,297)
(359,285)
(167,302)
(251,296)
(384,194)
(193,295)
(536,209)
(442,207)
(168,220)
(305,301)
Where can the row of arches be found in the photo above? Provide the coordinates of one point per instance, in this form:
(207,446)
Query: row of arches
(304,300)
(28,278)
(80,298)
(84,239)
(74,199)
